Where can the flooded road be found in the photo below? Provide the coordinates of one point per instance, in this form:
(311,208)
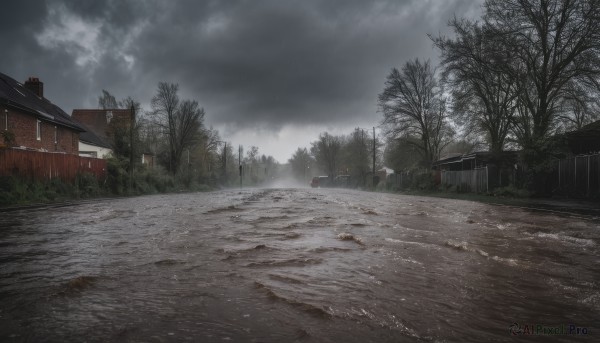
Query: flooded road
(281,265)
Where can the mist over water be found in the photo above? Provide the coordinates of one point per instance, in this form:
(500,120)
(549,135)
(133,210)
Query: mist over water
(314,265)
(287,182)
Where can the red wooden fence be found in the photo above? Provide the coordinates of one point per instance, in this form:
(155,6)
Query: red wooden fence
(36,165)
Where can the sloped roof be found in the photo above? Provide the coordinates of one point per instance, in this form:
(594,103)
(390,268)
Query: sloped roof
(97,120)
(586,139)
(91,138)
(589,130)
(14,94)
(483,156)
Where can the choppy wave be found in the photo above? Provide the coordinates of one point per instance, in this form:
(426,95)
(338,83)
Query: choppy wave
(77,284)
(320,250)
(286,279)
(592,300)
(566,238)
(345,236)
(293,262)
(311,309)
(231,208)
(291,235)
(464,246)
(399,241)
(168,262)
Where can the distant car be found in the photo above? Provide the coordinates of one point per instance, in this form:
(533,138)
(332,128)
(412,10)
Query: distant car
(320,181)
(314,183)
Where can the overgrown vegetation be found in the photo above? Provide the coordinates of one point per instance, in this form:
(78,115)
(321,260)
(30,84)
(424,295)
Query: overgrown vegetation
(17,191)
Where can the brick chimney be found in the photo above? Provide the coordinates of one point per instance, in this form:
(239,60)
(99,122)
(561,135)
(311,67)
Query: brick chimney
(35,85)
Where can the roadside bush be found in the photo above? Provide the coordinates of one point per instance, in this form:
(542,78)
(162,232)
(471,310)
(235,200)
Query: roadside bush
(7,190)
(117,177)
(14,190)
(185,178)
(511,191)
(423,181)
(87,185)
(449,188)
(203,188)
(60,188)
(152,180)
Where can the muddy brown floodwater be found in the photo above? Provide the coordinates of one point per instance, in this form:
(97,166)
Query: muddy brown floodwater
(281,265)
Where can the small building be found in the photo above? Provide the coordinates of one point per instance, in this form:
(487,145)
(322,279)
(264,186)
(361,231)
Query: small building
(101,126)
(148,159)
(30,121)
(478,171)
(383,173)
(91,145)
(585,140)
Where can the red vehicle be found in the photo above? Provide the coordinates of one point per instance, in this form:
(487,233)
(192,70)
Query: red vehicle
(319,181)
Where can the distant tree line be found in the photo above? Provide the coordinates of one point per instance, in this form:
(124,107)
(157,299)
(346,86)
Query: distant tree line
(334,155)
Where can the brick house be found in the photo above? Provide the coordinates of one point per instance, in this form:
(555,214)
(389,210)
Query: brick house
(101,125)
(33,121)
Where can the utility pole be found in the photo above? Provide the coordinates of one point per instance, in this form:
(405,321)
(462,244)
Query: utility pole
(225,162)
(131,128)
(240,163)
(373,156)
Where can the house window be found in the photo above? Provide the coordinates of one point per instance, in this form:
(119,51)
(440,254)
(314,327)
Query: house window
(38,131)
(55,135)
(6,120)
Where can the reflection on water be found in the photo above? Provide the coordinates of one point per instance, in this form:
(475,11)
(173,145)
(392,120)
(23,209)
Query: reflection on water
(284,265)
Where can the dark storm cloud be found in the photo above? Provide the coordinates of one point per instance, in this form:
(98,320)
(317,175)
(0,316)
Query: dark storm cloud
(249,63)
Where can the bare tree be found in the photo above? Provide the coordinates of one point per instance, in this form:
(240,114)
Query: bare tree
(128,103)
(399,154)
(189,119)
(301,164)
(164,108)
(554,43)
(107,101)
(181,122)
(326,151)
(484,94)
(578,108)
(119,128)
(413,106)
(252,154)
(357,154)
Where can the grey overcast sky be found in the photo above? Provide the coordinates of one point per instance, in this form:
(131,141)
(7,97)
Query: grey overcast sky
(268,73)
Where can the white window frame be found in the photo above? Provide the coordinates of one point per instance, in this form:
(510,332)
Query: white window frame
(38,130)
(55,134)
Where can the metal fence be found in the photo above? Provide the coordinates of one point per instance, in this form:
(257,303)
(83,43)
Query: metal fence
(579,176)
(399,181)
(475,180)
(36,165)
(403,180)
